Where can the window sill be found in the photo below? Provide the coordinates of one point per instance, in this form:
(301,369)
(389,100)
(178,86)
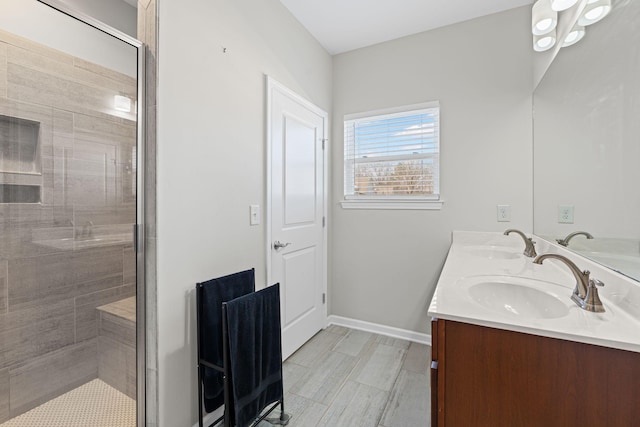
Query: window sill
(432,205)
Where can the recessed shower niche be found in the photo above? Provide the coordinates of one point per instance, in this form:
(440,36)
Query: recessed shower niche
(20,161)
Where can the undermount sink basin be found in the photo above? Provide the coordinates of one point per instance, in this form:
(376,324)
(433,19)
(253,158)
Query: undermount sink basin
(493,252)
(517,297)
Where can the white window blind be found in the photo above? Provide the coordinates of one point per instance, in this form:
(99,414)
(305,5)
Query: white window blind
(393,156)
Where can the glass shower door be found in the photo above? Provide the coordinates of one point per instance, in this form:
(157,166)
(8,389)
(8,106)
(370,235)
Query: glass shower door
(68,203)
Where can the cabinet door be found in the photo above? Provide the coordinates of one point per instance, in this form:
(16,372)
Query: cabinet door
(503,378)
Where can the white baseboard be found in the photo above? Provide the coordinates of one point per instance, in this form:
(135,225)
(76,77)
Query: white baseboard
(390,331)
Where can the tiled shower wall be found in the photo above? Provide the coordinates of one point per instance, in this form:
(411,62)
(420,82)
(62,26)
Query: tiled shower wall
(49,290)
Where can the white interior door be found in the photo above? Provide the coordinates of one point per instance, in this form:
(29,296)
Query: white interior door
(297,238)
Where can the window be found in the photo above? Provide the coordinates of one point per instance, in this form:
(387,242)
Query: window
(393,156)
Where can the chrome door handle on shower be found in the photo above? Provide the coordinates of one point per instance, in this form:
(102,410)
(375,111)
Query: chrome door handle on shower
(279,245)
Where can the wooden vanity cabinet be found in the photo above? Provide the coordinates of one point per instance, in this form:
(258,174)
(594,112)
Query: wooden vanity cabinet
(491,377)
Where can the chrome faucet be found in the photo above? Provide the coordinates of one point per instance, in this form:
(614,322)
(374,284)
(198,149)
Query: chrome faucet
(585,293)
(529,249)
(565,241)
(87,229)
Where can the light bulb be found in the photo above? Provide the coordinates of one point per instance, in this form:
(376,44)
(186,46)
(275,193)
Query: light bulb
(575,35)
(594,12)
(543,19)
(544,42)
(545,25)
(122,103)
(560,5)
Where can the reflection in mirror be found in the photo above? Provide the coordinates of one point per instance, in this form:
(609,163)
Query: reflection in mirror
(587,143)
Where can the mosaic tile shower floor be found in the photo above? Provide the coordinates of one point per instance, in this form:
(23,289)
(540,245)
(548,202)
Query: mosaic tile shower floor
(92,404)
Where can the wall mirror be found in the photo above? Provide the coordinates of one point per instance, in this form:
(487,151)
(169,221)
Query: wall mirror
(587,143)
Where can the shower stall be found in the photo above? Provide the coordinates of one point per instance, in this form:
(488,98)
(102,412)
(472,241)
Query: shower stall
(70,202)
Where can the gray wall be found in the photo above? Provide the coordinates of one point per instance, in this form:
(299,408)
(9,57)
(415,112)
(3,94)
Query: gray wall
(116,13)
(211,158)
(385,263)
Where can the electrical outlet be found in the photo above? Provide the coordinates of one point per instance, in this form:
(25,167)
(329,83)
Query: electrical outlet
(504,213)
(254,214)
(565,214)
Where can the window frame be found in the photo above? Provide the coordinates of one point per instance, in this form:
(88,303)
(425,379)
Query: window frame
(410,202)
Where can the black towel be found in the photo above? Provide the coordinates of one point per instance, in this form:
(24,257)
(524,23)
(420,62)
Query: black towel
(253,322)
(214,293)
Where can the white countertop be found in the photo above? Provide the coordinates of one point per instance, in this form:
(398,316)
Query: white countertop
(471,256)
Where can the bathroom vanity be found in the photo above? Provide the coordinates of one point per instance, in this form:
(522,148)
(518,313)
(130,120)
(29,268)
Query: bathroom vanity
(510,347)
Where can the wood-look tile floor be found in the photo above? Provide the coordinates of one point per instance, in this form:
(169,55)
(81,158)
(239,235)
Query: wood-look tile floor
(340,378)
(345,377)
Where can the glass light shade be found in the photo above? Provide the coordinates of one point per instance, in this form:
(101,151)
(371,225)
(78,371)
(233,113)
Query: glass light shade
(544,42)
(122,103)
(543,19)
(594,12)
(560,5)
(575,35)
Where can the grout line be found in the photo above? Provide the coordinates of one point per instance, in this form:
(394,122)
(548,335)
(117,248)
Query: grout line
(344,380)
(359,361)
(75,321)
(393,388)
(6,285)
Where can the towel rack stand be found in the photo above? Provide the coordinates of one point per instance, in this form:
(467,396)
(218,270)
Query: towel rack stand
(228,417)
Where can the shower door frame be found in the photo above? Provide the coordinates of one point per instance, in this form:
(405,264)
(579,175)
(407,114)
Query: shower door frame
(139,226)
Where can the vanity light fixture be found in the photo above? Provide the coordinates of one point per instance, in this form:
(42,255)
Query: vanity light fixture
(122,103)
(544,21)
(575,35)
(543,18)
(544,42)
(594,11)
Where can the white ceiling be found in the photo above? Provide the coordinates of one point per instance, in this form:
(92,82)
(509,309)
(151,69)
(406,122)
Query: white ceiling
(344,25)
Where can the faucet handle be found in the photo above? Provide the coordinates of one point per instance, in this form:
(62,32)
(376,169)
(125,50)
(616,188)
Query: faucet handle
(530,249)
(592,299)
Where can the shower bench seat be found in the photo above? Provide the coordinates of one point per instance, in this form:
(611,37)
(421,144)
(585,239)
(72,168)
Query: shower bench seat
(117,345)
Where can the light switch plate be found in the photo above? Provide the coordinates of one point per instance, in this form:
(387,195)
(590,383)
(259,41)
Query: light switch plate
(504,213)
(254,214)
(565,214)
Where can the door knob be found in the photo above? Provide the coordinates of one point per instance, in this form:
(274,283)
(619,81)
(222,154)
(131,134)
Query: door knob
(279,245)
